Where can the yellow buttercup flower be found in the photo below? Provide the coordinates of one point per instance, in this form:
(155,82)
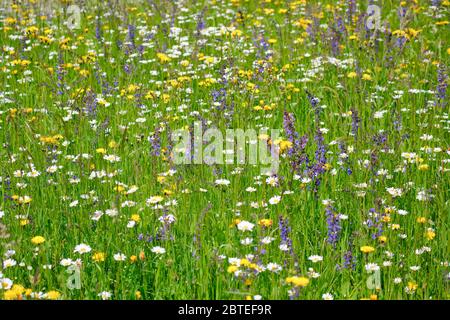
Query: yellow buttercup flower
(412,285)
(98,257)
(382,239)
(430,234)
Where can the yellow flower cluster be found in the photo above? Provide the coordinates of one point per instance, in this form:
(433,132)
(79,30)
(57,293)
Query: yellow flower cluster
(297,281)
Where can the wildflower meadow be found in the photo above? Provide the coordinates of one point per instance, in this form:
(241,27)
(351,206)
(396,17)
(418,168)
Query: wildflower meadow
(235,149)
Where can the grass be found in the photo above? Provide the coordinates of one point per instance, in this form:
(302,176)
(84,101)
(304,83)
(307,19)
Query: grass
(70,97)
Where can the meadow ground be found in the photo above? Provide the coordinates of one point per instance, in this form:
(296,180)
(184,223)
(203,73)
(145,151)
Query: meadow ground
(94,206)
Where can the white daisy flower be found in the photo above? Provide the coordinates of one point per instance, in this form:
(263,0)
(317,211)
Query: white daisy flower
(275,200)
(8,263)
(158,250)
(5,283)
(372,267)
(315,258)
(245,226)
(274,267)
(105,295)
(222,182)
(66,262)
(120,257)
(327,296)
(82,248)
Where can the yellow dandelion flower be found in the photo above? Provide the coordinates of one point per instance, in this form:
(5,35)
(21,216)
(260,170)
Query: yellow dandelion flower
(10,295)
(442,23)
(53,295)
(142,255)
(245,262)
(84,72)
(38,240)
(135,217)
(367,249)
(119,188)
(421,220)
(298,281)
(163,58)
(161,179)
(232,269)
(265,222)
